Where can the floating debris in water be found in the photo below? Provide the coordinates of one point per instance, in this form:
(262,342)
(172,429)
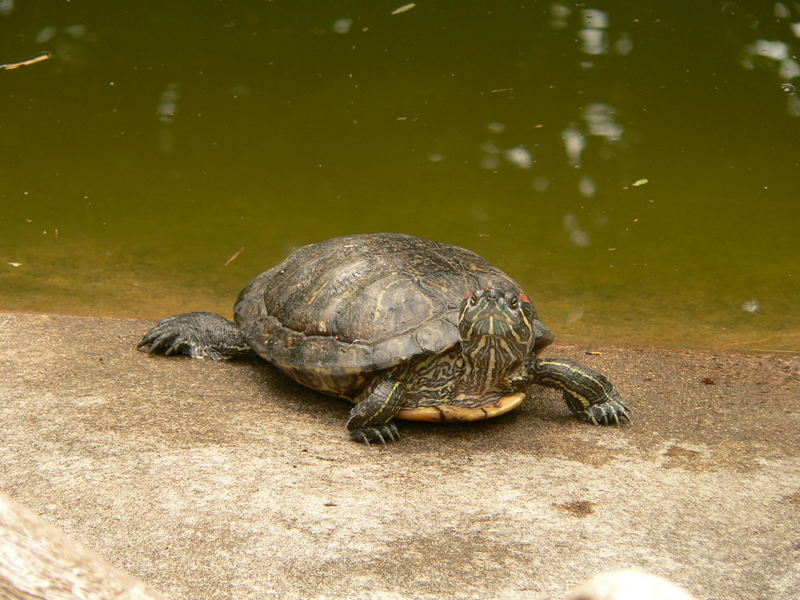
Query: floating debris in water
(234,257)
(640,182)
(15,264)
(404,8)
(788,88)
(751,306)
(25,63)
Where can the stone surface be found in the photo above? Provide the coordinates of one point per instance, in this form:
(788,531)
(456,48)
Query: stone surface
(38,561)
(227,480)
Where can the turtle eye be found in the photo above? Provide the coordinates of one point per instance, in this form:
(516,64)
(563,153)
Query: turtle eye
(473,300)
(513,302)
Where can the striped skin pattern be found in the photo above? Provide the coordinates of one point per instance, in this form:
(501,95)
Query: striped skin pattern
(496,334)
(401,326)
(372,420)
(590,395)
(496,331)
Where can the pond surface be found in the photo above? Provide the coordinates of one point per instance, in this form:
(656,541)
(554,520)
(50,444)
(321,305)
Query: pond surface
(635,166)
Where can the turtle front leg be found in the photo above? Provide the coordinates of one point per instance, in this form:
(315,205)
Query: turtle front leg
(590,395)
(370,419)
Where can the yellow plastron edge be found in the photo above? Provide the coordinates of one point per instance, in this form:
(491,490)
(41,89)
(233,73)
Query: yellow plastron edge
(450,412)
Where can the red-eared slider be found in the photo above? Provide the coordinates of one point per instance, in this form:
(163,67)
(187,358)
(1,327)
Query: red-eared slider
(401,326)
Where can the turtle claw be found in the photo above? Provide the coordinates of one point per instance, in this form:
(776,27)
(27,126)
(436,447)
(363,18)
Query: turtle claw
(166,340)
(391,431)
(613,411)
(200,335)
(377,433)
(161,339)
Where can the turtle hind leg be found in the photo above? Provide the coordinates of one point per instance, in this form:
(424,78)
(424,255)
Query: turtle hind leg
(590,395)
(198,334)
(370,419)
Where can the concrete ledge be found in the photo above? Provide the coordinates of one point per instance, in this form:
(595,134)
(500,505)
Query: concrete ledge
(38,561)
(211,480)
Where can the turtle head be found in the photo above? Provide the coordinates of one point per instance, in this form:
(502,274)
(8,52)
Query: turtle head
(496,318)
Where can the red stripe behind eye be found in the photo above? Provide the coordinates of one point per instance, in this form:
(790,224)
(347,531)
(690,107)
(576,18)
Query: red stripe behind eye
(524,298)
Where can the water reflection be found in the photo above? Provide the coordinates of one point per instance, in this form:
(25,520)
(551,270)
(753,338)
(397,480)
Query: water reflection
(166,111)
(577,236)
(519,157)
(525,132)
(587,186)
(593,35)
(574,144)
(751,306)
(168,103)
(778,55)
(342,25)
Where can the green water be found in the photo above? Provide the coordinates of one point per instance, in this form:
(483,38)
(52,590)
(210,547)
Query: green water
(159,141)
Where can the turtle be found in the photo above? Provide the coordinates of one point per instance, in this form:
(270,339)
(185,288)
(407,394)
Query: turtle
(401,326)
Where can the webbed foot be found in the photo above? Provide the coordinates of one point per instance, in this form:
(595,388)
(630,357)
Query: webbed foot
(612,411)
(197,334)
(379,433)
(370,418)
(590,395)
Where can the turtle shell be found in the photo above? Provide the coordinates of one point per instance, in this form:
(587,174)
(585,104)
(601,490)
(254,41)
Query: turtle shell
(334,313)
